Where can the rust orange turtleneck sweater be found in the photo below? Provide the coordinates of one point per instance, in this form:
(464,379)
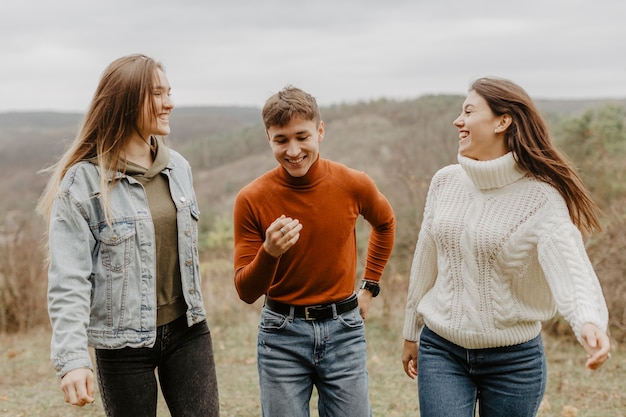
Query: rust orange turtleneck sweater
(321,267)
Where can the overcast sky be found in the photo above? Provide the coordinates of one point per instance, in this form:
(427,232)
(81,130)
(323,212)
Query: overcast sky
(239,52)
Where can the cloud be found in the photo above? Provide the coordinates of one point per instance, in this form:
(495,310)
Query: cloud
(239,52)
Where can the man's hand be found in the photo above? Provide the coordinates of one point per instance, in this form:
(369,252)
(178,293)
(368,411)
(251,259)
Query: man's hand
(365,300)
(281,235)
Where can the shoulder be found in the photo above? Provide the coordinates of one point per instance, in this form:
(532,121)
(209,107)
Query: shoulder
(82,167)
(80,182)
(539,202)
(446,175)
(347,175)
(448,170)
(550,196)
(339,167)
(355,184)
(537,190)
(80,173)
(177,159)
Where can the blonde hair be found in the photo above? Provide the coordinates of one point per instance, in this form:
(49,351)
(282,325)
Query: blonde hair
(113,116)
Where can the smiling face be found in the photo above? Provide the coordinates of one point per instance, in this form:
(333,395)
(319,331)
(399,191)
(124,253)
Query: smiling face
(481,132)
(160,96)
(296,145)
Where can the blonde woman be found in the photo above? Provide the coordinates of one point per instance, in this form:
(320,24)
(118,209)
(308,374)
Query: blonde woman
(123,259)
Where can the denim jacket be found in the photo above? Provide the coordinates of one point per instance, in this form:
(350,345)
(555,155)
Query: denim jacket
(101,278)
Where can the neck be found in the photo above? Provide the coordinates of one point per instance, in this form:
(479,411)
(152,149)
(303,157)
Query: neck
(139,151)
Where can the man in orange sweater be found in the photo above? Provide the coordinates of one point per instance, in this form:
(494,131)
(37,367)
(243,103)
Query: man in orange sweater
(295,243)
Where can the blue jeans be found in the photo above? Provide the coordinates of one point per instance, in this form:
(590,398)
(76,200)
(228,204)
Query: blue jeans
(295,354)
(505,381)
(184,358)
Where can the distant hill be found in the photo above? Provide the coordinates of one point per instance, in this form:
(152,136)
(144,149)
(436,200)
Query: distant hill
(227,147)
(189,123)
(575,107)
(30,141)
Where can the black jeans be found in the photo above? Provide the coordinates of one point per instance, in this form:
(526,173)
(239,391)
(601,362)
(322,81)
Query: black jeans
(184,359)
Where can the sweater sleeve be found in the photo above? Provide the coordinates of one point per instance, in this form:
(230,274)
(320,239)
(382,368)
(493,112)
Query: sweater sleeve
(423,270)
(254,268)
(572,279)
(381,238)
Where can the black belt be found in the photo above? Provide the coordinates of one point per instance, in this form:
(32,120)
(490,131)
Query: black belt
(317,312)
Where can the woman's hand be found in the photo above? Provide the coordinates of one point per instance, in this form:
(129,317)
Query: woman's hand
(597,344)
(78,386)
(409,358)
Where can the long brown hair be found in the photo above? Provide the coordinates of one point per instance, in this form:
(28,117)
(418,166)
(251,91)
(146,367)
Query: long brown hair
(528,137)
(113,116)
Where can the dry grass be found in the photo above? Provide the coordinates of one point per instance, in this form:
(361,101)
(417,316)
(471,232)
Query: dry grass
(28,386)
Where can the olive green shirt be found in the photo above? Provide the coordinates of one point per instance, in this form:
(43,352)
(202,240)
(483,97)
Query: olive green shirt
(170,301)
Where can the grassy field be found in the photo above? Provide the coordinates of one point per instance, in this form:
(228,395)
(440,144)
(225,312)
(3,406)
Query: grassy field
(28,386)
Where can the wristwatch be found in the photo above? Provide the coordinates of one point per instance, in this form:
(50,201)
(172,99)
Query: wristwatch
(371,286)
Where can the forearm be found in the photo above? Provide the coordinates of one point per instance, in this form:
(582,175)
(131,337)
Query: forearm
(253,279)
(380,246)
(69,289)
(572,280)
(69,310)
(421,279)
(380,242)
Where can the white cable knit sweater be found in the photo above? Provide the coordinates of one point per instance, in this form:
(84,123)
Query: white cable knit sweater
(497,254)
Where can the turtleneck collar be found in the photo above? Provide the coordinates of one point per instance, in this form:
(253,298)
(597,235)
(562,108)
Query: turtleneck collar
(496,173)
(313,175)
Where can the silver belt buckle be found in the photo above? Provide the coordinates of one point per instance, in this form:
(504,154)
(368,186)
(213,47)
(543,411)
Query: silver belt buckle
(306,312)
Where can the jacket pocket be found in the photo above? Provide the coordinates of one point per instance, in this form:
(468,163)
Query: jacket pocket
(117,245)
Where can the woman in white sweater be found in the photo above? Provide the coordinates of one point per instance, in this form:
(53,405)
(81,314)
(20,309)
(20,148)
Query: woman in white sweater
(500,250)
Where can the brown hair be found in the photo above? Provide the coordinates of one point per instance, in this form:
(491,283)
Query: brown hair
(288,103)
(528,137)
(113,116)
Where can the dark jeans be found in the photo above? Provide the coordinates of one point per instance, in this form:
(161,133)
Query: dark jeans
(183,357)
